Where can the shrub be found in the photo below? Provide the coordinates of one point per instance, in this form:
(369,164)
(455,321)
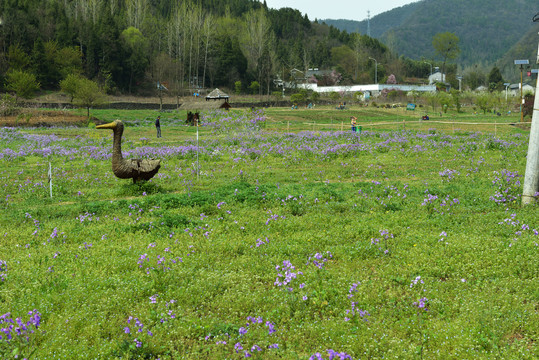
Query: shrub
(8,106)
(22,83)
(254,87)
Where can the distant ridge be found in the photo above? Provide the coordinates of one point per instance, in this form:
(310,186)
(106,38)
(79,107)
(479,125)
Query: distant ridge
(487,29)
(379,23)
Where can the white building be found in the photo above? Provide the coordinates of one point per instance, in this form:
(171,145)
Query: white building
(514,89)
(436,77)
(373,89)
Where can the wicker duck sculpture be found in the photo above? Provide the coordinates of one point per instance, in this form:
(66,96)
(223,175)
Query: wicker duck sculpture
(136,169)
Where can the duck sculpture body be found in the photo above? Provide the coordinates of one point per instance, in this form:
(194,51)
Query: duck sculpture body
(136,169)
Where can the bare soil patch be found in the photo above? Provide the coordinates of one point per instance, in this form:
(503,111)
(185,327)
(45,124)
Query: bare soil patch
(43,118)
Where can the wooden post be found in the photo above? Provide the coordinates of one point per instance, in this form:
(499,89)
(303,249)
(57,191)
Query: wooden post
(50,178)
(342,125)
(198,164)
(453,125)
(288,127)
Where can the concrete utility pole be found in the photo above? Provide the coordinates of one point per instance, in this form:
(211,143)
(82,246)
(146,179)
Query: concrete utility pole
(506,86)
(521,63)
(375,70)
(531,178)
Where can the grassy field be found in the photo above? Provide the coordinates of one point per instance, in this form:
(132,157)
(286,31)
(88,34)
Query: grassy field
(279,234)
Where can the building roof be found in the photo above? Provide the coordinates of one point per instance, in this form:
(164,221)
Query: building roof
(317,72)
(217,95)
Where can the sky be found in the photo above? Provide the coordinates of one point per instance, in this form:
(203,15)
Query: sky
(339,9)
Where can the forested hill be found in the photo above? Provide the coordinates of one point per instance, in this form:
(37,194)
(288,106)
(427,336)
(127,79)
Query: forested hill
(379,24)
(130,45)
(487,29)
(526,48)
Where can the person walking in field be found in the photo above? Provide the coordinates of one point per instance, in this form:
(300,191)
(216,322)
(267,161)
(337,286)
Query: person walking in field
(353,120)
(158,126)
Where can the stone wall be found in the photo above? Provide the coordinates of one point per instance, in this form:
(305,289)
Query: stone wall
(152,106)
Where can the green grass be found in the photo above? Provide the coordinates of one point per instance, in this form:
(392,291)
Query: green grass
(90,257)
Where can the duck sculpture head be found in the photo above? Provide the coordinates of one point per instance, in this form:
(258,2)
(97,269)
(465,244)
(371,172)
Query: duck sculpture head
(136,169)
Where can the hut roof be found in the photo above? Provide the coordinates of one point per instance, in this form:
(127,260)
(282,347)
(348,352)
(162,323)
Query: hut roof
(217,95)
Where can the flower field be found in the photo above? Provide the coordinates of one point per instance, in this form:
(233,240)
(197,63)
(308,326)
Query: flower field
(251,242)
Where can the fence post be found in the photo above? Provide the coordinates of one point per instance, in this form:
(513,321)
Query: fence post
(50,178)
(198,164)
(342,125)
(288,127)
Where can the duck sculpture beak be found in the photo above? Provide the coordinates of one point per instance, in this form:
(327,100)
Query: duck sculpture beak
(111,125)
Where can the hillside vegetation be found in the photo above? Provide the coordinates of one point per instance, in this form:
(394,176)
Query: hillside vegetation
(242,46)
(487,29)
(130,46)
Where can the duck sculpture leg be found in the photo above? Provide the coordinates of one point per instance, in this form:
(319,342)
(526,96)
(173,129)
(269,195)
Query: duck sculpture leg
(136,169)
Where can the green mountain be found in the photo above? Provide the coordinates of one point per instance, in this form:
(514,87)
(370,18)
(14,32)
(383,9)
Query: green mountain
(487,29)
(129,46)
(526,48)
(379,24)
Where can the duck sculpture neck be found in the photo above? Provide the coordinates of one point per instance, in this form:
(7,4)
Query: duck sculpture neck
(136,169)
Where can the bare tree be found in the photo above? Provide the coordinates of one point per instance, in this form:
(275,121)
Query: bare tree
(176,31)
(195,21)
(87,10)
(256,40)
(113,4)
(360,53)
(270,62)
(136,12)
(208,36)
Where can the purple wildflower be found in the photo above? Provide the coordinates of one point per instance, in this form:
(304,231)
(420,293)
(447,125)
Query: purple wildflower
(421,304)
(416,281)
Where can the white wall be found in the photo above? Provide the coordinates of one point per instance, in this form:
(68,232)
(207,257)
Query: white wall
(374,89)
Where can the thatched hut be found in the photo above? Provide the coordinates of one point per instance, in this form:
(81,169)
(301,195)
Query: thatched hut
(217,95)
(220,101)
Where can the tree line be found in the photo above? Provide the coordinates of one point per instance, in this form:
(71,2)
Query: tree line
(130,46)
